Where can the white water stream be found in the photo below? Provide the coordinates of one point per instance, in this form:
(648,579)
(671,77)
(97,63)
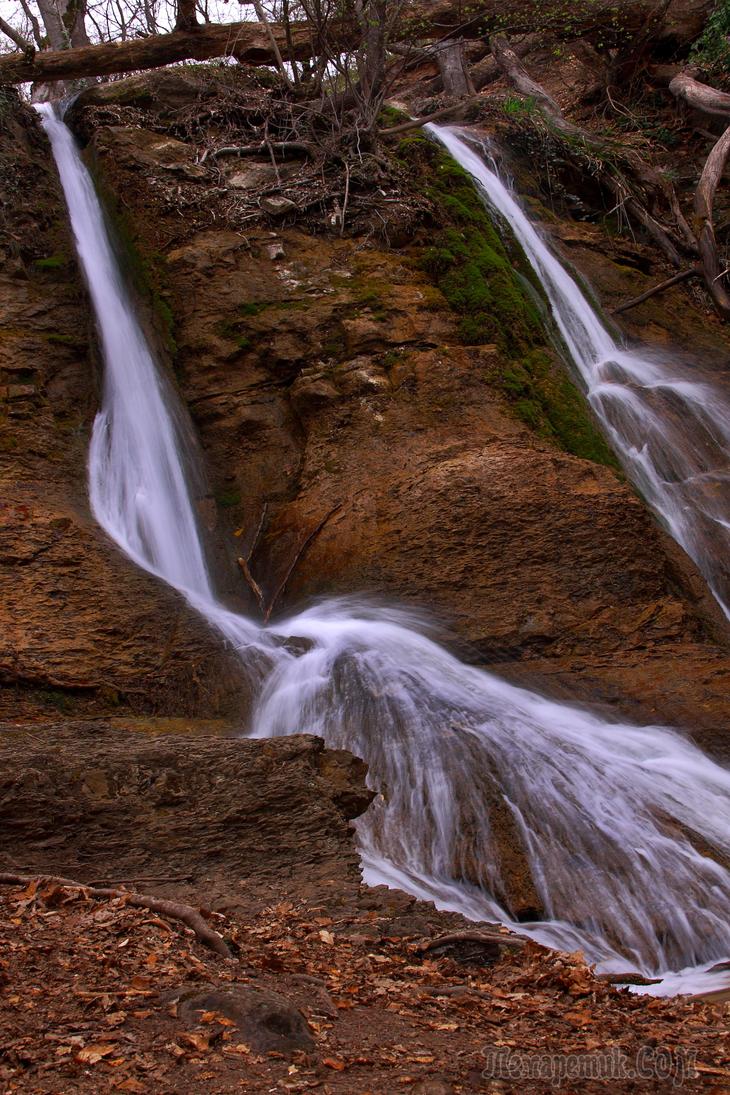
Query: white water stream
(670,429)
(602,808)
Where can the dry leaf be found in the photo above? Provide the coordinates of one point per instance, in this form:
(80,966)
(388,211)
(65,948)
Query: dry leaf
(91,1055)
(335,1063)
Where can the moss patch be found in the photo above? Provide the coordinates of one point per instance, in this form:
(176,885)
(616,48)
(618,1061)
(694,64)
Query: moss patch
(495,293)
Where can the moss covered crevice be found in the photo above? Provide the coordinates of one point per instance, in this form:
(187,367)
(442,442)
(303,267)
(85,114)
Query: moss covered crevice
(492,287)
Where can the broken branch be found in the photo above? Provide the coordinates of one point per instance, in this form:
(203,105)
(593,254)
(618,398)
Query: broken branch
(186,914)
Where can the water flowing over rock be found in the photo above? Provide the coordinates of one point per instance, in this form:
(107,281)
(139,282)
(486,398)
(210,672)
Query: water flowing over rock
(606,812)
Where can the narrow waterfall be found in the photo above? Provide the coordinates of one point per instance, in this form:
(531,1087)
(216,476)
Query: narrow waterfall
(670,430)
(605,810)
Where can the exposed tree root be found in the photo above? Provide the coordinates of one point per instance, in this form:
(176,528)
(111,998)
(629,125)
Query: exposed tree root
(186,914)
(708,100)
(703,203)
(483,935)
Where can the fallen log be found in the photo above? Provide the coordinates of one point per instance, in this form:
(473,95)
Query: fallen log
(249,43)
(186,914)
(272,44)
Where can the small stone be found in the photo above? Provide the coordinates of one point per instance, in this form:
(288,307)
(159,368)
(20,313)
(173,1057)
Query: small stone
(275,250)
(277,205)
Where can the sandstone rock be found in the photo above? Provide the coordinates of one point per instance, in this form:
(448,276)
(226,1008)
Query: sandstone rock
(263,818)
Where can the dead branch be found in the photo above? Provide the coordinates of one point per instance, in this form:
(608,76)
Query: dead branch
(298,555)
(605,156)
(186,914)
(297,148)
(684,275)
(703,203)
(16,37)
(483,935)
(252,584)
(702,97)
(261,16)
(415,123)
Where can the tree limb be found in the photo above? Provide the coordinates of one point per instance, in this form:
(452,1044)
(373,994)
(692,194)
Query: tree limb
(684,275)
(186,914)
(16,36)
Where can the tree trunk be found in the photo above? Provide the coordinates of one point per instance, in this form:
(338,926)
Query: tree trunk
(715,276)
(64,21)
(186,17)
(248,42)
(455,77)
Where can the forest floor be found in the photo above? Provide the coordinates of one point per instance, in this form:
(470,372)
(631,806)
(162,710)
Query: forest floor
(98,996)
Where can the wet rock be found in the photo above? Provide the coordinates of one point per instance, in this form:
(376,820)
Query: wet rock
(267,1021)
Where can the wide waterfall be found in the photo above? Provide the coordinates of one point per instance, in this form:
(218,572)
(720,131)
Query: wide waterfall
(670,429)
(607,812)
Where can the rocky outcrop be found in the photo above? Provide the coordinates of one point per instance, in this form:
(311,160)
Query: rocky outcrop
(218,815)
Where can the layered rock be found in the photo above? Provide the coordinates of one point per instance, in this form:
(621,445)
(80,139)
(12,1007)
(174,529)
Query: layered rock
(356,444)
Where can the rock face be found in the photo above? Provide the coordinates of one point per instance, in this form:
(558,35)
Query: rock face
(355,444)
(81,629)
(267,818)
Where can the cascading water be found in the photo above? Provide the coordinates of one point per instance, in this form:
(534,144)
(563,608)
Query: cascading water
(670,430)
(605,810)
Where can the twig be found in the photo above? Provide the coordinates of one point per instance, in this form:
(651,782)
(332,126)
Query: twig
(257,534)
(297,557)
(262,149)
(252,584)
(684,275)
(345,199)
(186,914)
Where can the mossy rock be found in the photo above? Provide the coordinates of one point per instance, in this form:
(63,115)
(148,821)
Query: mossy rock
(489,283)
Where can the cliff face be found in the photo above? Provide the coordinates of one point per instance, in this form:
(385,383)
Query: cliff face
(355,438)
(357,441)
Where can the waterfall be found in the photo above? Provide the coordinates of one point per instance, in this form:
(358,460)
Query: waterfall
(606,812)
(670,430)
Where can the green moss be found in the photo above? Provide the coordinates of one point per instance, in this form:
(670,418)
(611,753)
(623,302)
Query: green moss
(228,497)
(251,308)
(544,397)
(470,264)
(60,700)
(493,289)
(62,340)
(52,262)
